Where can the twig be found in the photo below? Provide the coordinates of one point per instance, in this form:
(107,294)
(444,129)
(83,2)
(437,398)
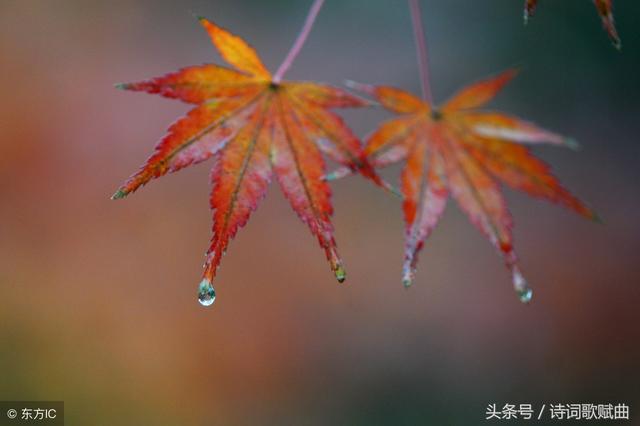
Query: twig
(302,37)
(421,49)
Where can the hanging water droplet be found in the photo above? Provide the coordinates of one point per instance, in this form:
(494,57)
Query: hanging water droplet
(407,279)
(340,273)
(520,285)
(525,295)
(206,293)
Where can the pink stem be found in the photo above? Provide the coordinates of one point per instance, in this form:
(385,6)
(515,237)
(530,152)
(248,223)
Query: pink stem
(421,50)
(302,37)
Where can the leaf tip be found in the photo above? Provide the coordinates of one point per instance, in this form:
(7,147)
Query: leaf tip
(120,193)
(360,87)
(337,174)
(408,272)
(197,16)
(572,144)
(529,11)
(597,218)
(407,281)
(617,44)
(393,190)
(122,86)
(521,286)
(340,273)
(369,172)
(203,21)
(511,73)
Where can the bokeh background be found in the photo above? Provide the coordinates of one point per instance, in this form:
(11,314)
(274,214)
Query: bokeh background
(98,298)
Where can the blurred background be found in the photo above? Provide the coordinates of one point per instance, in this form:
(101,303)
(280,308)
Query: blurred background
(98,298)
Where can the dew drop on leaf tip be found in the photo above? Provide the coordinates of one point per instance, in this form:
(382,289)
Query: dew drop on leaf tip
(520,285)
(525,295)
(407,279)
(206,293)
(339,272)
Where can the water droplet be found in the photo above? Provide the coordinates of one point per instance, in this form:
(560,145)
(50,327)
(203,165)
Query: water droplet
(407,279)
(206,293)
(525,295)
(341,274)
(520,285)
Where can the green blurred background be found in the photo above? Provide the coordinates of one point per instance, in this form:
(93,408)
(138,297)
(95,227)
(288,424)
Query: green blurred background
(98,298)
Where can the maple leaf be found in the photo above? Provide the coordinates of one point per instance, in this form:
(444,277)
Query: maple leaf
(604,8)
(460,151)
(253,126)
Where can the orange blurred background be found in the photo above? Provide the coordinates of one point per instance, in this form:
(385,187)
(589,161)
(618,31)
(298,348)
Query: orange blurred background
(98,297)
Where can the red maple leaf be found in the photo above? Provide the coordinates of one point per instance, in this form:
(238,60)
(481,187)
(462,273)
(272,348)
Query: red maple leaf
(253,126)
(463,152)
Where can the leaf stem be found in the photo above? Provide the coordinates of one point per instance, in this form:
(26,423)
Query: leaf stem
(302,37)
(421,50)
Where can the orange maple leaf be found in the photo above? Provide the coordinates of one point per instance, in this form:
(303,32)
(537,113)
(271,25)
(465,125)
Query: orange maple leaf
(253,125)
(461,151)
(604,8)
